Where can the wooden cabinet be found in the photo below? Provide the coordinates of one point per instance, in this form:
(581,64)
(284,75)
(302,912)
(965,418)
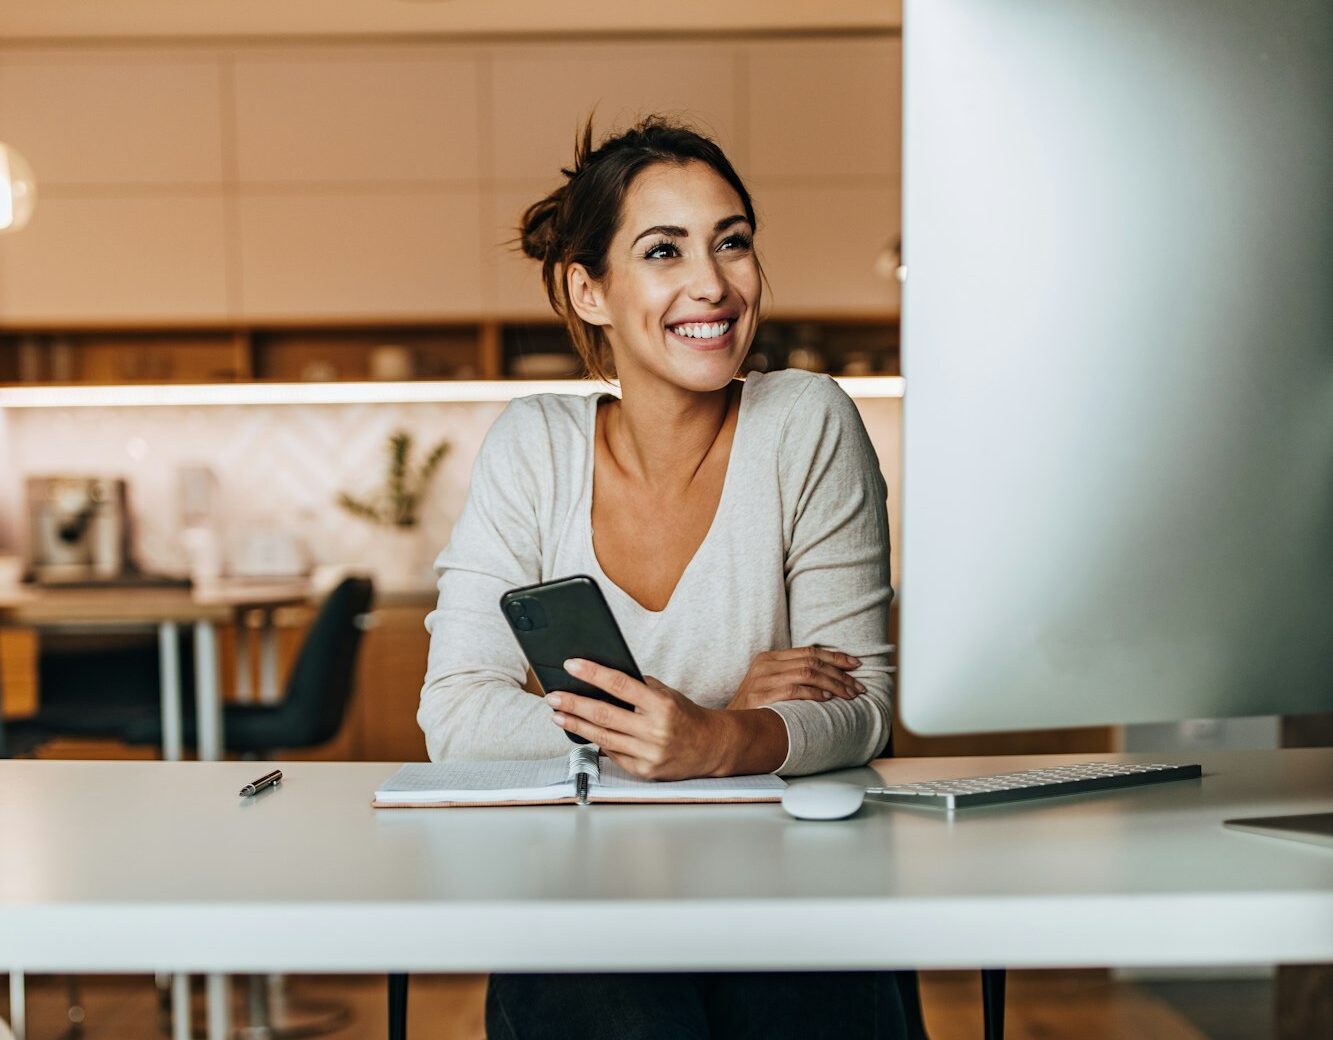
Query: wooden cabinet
(825,110)
(247,183)
(91,121)
(279,212)
(366,116)
(820,246)
(337,252)
(117,258)
(541,95)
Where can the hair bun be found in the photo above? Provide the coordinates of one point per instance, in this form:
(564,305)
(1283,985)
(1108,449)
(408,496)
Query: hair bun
(538,232)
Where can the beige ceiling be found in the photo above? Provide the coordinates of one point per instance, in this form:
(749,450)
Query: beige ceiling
(101,19)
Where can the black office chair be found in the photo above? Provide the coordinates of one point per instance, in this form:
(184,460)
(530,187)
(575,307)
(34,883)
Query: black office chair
(317,693)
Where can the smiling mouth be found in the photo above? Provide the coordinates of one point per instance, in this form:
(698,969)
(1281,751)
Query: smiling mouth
(703,333)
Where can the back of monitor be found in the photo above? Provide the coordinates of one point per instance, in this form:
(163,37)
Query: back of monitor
(1118,345)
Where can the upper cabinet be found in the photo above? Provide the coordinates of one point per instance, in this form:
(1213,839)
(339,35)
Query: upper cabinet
(366,254)
(826,109)
(248,183)
(357,182)
(106,117)
(543,93)
(370,116)
(156,257)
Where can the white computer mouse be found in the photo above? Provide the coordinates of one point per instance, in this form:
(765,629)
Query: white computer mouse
(822,799)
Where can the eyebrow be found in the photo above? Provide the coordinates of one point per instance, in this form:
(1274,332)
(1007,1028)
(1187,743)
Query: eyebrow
(679,232)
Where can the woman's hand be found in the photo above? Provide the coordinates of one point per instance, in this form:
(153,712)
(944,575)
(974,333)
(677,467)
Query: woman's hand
(803,673)
(667,736)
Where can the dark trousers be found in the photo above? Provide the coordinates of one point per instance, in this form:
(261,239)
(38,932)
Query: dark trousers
(730,1006)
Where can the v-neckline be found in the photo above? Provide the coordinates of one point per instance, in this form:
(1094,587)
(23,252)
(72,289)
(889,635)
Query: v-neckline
(590,430)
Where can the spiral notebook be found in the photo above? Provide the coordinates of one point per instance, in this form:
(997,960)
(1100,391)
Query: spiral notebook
(556,781)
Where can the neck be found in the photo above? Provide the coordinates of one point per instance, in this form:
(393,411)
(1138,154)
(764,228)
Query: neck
(661,434)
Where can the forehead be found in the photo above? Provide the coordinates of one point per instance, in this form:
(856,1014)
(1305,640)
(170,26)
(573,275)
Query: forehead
(690,195)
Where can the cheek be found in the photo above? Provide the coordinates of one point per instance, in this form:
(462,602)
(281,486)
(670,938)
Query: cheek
(646,299)
(745,281)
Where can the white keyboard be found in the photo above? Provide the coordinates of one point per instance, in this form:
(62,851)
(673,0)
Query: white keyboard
(1031,783)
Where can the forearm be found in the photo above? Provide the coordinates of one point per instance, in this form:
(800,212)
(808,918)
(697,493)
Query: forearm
(486,719)
(750,741)
(824,735)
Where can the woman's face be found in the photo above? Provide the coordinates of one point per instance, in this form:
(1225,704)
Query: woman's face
(681,293)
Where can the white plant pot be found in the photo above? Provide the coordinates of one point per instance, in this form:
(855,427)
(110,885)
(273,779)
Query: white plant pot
(402,560)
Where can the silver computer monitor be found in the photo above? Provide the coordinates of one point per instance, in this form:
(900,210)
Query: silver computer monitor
(1118,350)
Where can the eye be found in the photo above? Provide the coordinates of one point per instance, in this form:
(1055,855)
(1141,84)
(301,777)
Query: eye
(737,242)
(661,251)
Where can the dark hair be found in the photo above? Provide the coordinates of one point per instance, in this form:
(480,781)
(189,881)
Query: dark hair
(576,222)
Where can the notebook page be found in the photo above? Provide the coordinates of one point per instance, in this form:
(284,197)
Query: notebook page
(617,781)
(425,782)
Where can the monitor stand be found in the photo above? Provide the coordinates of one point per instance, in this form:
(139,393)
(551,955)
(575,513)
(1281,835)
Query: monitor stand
(1312,828)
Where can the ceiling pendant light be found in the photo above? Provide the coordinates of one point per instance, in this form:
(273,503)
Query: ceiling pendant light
(18,190)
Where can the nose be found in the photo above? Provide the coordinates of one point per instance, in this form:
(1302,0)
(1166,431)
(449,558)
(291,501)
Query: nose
(706,282)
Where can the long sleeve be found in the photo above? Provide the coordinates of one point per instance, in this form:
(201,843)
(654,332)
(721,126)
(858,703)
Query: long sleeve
(473,705)
(837,574)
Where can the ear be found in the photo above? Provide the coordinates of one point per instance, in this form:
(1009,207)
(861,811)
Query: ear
(586,296)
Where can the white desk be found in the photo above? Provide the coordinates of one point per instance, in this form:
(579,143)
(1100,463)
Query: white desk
(125,867)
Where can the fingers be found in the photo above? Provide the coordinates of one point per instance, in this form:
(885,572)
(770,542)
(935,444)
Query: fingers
(596,721)
(631,691)
(606,717)
(817,653)
(821,676)
(608,740)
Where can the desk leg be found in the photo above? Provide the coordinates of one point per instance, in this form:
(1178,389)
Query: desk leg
(219,1007)
(17,1009)
(168,653)
(244,687)
(268,660)
(207,693)
(180,1007)
(992,1002)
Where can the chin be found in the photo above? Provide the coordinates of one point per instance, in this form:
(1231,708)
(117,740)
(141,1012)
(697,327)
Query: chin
(704,375)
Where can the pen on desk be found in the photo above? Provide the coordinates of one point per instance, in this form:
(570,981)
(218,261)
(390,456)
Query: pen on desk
(581,788)
(267,780)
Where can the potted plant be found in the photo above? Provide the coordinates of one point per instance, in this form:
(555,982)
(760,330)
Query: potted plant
(396,507)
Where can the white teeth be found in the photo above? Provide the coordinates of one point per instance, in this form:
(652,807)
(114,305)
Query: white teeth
(701,329)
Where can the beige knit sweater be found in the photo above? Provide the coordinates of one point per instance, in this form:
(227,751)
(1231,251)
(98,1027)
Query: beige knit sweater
(798,554)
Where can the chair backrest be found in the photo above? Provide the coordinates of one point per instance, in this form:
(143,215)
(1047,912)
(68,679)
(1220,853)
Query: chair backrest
(324,675)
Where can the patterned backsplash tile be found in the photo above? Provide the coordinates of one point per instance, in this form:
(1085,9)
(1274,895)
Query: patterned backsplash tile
(278,468)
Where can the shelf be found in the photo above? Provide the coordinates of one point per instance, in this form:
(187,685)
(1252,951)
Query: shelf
(400,350)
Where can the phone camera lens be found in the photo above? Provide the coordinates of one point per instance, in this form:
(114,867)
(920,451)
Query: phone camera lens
(523,623)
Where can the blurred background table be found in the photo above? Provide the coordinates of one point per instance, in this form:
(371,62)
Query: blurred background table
(165,609)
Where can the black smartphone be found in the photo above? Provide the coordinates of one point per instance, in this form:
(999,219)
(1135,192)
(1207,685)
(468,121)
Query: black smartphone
(569,617)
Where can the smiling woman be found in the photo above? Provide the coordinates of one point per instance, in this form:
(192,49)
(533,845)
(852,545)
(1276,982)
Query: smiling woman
(738,530)
(656,170)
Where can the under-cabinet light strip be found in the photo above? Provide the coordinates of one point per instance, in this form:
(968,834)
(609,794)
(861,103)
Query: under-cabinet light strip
(418,392)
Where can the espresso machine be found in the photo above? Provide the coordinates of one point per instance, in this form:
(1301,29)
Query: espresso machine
(79,529)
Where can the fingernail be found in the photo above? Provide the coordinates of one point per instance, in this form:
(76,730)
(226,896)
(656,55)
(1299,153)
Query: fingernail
(854,660)
(573,666)
(824,694)
(558,719)
(860,687)
(553,699)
